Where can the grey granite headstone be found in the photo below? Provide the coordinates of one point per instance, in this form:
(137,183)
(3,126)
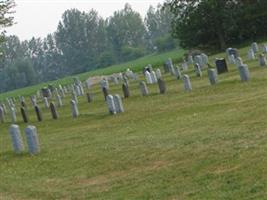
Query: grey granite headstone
(53,110)
(13,115)
(243,72)
(125,90)
(148,77)
(162,86)
(32,140)
(59,100)
(74,109)
(46,102)
(255,47)
(212,74)
(158,73)
(16,138)
(198,70)
(118,103)
(251,54)
(187,83)
(143,88)
(178,73)
(262,60)
(111,104)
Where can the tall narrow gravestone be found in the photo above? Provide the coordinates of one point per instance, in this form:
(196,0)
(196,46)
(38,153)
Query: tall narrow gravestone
(74,109)
(59,100)
(111,104)
(53,110)
(162,86)
(118,103)
(16,138)
(32,140)
(148,77)
(244,72)
(38,113)
(2,115)
(13,115)
(143,88)
(125,90)
(187,83)
(46,102)
(221,65)
(24,115)
(212,74)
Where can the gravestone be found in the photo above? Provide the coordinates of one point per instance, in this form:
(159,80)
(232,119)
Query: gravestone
(190,60)
(89,97)
(53,110)
(184,66)
(111,104)
(264,48)
(125,90)
(148,77)
(24,115)
(262,60)
(46,92)
(212,74)
(255,47)
(187,83)
(178,74)
(232,51)
(251,54)
(153,77)
(162,86)
(239,61)
(143,88)
(16,138)
(118,103)
(221,65)
(59,100)
(74,96)
(32,140)
(74,109)
(46,102)
(2,115)
(198,70)
(4,107)
(158,73)
(13,115)
(205,59)
(105,92)
(38,113)
(243,72)
(33,100)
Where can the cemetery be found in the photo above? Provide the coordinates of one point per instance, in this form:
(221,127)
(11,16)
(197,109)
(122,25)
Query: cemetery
(192,129)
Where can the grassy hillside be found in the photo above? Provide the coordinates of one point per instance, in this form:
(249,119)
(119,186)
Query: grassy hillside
(135,65)
(210,143)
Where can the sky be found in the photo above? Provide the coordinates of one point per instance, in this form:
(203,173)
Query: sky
(37,18)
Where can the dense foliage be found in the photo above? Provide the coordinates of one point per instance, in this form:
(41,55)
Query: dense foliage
(82,42)
(218,23)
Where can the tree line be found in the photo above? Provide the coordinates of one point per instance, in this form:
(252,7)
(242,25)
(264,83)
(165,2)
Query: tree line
(84,41)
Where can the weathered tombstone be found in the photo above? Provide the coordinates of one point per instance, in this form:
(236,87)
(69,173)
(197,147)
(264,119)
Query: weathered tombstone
(24,115)
(111,104)
(89,97)
(158,73)
(125,90)
(46,102)
(255,47)
(105,92)
(13,115)
(2,114)
(32,140)
(53,110)
(154,77)
(148,77)
(74,109)
(59,100)
(38,113)
(251,54)
(198,70)
(178,74)
(162,86)
(221,65)
(16,138)
(143,88)
(244,72)
(187,83)
(262,60)
(118,103)
(212,74)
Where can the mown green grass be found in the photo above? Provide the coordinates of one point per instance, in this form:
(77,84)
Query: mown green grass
(156,59)
(210,143)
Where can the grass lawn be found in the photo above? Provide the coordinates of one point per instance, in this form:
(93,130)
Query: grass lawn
(210,143)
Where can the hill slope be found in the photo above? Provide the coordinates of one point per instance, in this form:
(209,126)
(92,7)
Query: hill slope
(206,144)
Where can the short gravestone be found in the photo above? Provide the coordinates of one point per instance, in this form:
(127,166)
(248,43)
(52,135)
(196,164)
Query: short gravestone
(105,92)
(125,90)
(143,88)
(2,115)
(198,70)
(262,60)
(212,74)
(38,113)
(118,103)
(111,104)
(187,83)
(89,97)
(32,140)
(178,73)
(74,109)
(53,110)
(221,65)
(162,86)
(24,115)
(16,138)
(243,72)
